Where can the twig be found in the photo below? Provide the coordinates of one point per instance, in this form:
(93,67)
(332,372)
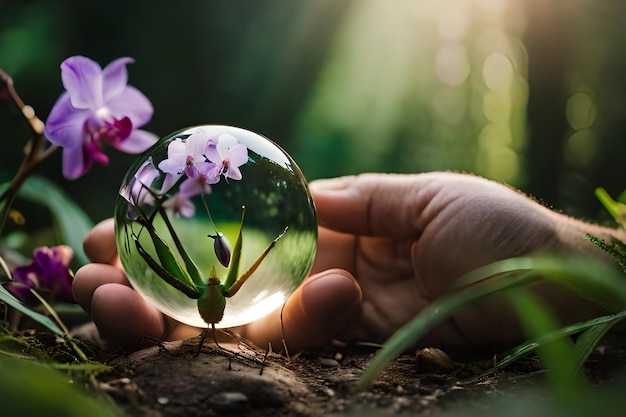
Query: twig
(35,153)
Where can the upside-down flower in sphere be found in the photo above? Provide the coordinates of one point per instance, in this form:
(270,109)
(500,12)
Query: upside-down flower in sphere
(98,106)
(228,155)
(48,273)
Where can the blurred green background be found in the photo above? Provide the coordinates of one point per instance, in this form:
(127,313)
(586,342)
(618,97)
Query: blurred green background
(529,92)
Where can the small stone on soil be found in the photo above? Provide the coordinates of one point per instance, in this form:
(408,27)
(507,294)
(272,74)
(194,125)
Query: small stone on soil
(328,362)
(433,360)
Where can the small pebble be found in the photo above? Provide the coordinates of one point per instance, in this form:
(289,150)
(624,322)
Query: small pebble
(433,360)
(163,400)
(338,356)
(328,362)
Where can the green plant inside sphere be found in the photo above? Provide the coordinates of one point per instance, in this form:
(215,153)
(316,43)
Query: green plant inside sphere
(215,226)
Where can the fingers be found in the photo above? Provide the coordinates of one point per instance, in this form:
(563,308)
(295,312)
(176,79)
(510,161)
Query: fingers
(123,316)
(319,309)
(90,277)
(99,244)
(370,204)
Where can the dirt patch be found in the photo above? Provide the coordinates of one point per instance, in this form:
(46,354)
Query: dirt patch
(173,380)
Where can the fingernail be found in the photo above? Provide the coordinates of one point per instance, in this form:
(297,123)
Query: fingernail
(329,285)
(331,184)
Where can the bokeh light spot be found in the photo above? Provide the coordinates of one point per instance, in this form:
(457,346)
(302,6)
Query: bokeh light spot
(581,148)
(580,111)
(497,71)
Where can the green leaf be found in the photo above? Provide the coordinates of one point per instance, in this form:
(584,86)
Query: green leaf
(169,262)
(72,221)
(617,209)
(29,388)
(10,300)
(233,269)
(170,268)
(589,339)
(523,349)
(192,269)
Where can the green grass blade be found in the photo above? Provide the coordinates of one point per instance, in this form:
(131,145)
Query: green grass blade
(529,346)
(8,298)
(589,339)
(558,354)
(169,262)
(586,277)
(235,260)
(191,267)
(166,275)
(615,208)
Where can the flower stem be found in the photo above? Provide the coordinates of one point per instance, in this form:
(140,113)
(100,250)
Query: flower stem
(35,152)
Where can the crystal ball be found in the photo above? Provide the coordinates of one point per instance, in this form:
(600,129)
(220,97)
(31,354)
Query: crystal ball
(215,204)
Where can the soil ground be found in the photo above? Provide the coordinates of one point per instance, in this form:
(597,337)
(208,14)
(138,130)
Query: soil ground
(171,379)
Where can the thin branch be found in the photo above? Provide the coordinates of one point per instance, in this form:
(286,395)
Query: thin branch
(35,153)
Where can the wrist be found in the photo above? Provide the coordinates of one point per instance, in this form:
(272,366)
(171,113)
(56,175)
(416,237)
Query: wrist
(571,236)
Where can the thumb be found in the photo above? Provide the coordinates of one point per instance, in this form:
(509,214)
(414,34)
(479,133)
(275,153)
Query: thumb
(314,314)
(371,204)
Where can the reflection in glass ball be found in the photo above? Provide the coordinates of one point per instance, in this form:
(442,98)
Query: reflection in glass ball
(184,203)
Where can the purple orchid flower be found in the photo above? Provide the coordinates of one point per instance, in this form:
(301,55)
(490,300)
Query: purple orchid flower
(180,205)
(98,106)
(186,155)
(48,273)
(228,155)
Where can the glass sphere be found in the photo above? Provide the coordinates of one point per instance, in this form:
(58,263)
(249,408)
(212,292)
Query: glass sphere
(179,213)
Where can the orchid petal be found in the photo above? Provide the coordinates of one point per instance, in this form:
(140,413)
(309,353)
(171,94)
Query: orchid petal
(176,157)
(197,145)
(115,78)
(233,173)
(73,162)
(82,78)
(238,155)
(137,142)
(210,172)
(191,187)
(212,154)
(180,205)
(64,126)
(225,142)
(133,104)
(47,272)
(168,182)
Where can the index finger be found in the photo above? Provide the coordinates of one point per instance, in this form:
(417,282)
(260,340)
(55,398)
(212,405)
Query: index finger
(371,204)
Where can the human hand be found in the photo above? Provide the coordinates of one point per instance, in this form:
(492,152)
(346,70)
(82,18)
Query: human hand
(406,239)
(125,319)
